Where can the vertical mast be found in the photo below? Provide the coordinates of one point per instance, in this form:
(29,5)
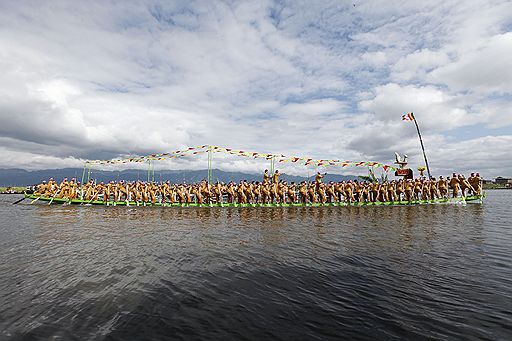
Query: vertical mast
(210,173)
(422,147)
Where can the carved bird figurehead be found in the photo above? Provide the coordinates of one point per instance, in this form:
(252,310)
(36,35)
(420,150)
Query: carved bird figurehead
(397,158)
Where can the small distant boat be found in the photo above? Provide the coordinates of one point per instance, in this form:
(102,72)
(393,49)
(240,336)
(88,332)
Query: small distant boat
(458,200)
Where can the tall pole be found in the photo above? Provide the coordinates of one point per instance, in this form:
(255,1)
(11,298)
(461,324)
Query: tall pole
(82,183)
(153,172)
(83,175)
(210,164)
(422,147)
(149,168)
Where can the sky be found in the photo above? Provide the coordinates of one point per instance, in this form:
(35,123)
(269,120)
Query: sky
(321,79)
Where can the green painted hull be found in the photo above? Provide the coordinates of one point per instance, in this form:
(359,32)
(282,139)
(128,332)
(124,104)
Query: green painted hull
(475,198)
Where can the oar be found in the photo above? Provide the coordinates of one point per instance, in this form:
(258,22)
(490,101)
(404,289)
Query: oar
(18,201)
(36,199)
(53,197)
(93,199)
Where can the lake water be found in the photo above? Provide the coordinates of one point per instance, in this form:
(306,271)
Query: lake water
(143,273)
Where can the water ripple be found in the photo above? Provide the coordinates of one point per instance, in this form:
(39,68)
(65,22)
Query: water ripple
(114,273)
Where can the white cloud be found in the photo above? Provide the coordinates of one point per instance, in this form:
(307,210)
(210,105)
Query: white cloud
(433,107)
(416,65)
(486,68)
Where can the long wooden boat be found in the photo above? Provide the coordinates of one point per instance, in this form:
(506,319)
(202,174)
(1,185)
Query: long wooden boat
(471,199)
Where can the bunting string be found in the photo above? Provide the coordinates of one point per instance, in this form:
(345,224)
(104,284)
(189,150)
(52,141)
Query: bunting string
(280,158)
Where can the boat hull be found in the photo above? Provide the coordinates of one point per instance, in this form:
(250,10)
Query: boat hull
(469,199)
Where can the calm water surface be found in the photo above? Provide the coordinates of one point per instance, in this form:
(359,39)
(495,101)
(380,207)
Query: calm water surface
(117,273)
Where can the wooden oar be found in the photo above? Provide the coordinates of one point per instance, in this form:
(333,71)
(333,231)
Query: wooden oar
(18,201)
(93,199)
(36,199)
(49,203)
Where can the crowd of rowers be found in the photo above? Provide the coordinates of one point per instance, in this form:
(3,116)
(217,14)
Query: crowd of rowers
(270,190)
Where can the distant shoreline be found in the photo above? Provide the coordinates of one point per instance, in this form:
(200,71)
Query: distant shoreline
(15,190)
(493,186)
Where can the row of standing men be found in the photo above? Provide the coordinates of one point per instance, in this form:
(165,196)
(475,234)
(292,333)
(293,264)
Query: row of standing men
(270,190)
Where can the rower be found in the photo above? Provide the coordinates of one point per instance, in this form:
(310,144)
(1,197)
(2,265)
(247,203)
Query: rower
(318,179)
(442,185)
(266,177)
(455,185)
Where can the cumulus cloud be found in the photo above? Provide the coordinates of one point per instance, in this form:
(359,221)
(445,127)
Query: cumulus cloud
(100,80)
(487,68)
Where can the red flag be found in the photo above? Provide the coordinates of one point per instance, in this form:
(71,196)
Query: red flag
(408,117)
